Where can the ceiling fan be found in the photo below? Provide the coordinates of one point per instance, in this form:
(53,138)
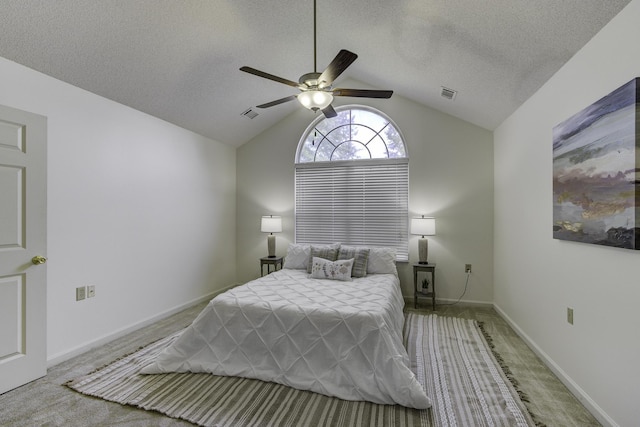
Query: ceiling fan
(316,90)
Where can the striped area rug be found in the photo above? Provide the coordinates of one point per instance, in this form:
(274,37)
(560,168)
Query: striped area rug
(451,357)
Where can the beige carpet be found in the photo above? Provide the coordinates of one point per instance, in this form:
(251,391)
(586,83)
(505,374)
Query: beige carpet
(451,356)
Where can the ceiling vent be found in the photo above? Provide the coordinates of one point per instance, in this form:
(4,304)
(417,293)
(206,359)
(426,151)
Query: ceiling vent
(250,113)
(450,94)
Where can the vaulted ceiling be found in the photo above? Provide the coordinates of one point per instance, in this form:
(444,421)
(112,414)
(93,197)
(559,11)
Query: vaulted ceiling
(178,59)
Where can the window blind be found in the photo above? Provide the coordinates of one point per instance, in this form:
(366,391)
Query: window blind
(356,203)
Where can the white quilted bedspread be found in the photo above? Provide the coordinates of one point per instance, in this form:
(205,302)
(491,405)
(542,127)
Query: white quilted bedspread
(340,339)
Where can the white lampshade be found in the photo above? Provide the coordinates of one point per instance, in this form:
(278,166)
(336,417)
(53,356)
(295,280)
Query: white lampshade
(423,226)
(315,99)
(271,224)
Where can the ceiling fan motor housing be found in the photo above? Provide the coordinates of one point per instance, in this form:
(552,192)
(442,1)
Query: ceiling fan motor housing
(311,80)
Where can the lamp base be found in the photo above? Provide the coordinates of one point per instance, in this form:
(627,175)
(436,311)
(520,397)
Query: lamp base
(423,251)
(271,245)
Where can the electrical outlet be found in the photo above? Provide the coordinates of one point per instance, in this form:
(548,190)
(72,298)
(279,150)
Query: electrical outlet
(467,268)
(81,293)
(570,315)
(91,291)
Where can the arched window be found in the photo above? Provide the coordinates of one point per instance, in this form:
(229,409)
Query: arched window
(356,133)
(352,181)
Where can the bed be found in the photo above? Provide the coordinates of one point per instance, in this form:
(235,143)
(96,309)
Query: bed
(341,338)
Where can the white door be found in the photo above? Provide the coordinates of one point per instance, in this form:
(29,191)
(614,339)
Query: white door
(23,180)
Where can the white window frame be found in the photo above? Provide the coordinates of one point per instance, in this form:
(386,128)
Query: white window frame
(354,202)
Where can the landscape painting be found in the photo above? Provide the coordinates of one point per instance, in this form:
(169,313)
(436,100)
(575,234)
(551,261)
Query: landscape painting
(596,172)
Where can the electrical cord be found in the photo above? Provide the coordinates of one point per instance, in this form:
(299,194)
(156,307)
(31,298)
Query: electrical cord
(465,290)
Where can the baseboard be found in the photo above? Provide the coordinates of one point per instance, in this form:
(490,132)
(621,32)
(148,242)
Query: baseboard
(66,355)
(464,302)
(574,388)
(408,300)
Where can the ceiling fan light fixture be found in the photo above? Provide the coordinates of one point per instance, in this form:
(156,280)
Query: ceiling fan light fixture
(315,99)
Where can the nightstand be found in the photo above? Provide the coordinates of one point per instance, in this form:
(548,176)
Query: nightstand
(429,269)
(268,261)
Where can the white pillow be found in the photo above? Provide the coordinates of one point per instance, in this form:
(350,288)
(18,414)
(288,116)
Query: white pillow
(333,270)
(381,260)
(299,255)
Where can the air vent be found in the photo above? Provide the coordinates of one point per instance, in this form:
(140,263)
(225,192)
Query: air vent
(450,94)
(250,114)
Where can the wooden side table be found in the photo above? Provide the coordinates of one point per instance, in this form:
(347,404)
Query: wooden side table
(268,261)
(417,286)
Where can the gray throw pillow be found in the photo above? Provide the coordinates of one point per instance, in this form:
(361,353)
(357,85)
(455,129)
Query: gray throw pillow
(326,252)
(360,259)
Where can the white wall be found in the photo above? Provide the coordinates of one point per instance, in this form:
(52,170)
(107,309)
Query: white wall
(139,207)
(537,277)
(451,178)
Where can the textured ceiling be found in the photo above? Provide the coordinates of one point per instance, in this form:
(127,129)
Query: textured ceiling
(178,59)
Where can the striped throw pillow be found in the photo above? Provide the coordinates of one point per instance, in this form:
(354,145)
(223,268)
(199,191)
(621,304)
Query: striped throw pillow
(327,252)
(360,259)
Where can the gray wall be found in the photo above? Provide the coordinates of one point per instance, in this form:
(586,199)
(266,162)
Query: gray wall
(451,178)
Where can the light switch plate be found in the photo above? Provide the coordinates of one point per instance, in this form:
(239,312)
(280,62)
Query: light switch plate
(81,293)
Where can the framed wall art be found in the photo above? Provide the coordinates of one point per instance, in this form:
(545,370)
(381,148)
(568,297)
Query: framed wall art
(596,168)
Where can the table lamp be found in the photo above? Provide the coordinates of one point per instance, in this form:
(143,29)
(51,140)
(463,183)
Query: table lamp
(423,227)
(271,224)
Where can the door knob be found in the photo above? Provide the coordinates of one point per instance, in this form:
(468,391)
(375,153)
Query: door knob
(37,260)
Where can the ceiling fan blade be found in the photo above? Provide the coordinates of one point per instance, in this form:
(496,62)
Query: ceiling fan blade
(277,102)
(343,59)
(363,93)
(269,76)
(329,112)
